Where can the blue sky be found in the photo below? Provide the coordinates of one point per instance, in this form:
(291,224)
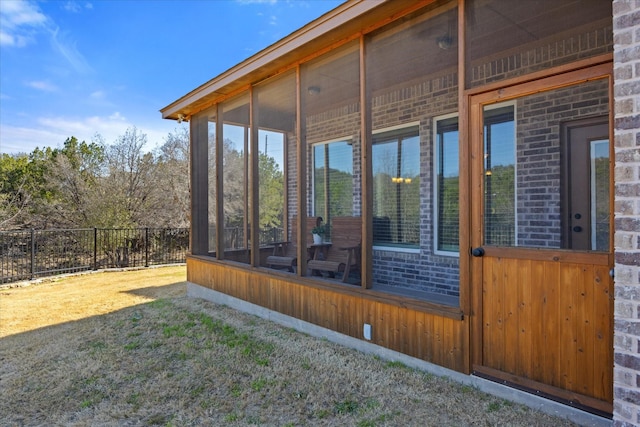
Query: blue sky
(81,68)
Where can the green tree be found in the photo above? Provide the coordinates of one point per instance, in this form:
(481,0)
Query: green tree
(271,193)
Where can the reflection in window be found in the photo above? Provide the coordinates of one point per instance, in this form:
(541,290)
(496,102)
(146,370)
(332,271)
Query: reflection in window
(212,190)
(447,185)
(333,179)
(600,195)
(234,199)
(396,188)
(271,186)
(499,171)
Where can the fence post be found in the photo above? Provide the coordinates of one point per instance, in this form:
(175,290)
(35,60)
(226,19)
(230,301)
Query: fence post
(33,254)
(95,248)
(146,247)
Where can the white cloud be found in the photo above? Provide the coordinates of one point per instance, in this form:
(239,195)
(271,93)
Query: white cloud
(43,86)
(19,21)
(69,51)
(53,131)
(76,7)
(22,21)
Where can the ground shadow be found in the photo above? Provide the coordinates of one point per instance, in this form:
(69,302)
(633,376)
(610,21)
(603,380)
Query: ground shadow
(171,290)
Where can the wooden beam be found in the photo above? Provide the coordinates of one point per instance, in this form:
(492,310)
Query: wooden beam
(301,178)
(254,179)
(464,161)
(366,180)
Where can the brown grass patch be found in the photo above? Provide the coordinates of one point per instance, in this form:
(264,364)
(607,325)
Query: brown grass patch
(130,349)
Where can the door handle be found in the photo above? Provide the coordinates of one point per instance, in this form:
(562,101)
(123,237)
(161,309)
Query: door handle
(477,252)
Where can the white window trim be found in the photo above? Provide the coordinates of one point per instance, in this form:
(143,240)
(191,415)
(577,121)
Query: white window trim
(397,127)
(436,218)
(397,249)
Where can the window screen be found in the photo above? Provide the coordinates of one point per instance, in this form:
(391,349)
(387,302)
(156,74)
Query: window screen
(275,117)
(236,134)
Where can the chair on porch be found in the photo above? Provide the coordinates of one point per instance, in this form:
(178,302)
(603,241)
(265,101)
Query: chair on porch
(285,254)
(343,256)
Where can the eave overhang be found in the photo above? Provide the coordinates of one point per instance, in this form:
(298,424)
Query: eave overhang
(342,23)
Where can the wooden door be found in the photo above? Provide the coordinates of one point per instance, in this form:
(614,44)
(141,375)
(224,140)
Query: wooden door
(542,308)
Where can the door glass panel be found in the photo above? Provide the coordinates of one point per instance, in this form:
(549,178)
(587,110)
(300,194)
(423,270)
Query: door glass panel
(546,169)
(499,173)
(600,195)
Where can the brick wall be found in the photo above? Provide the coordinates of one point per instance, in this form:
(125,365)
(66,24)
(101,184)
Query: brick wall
(424,270)
(626,27)
(540,55)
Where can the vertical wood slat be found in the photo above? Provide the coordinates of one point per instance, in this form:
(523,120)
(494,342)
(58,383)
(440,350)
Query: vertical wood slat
(430,337)
(566,342)
(526,320)
(510,312)
(583,298)
(603,337)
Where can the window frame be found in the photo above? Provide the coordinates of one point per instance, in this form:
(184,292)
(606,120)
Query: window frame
(436,196)
(401,129)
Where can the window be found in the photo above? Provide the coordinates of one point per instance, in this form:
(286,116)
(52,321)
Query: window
(396,188)
(333,179)
(447,186)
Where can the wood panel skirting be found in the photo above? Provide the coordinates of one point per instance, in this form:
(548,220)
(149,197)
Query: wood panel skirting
(419,329)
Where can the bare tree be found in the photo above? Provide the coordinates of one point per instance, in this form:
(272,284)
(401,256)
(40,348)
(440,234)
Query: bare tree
(131,196)
(173,177)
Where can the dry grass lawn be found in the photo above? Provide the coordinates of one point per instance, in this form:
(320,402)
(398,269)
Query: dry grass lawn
(129,349)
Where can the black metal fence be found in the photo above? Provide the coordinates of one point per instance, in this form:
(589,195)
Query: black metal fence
(27,254)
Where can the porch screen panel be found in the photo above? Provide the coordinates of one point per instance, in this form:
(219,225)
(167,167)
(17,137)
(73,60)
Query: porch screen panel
(545,187)
(236,134)
(412,73)
(213,199)
(275,117)
(506,38)
(331,97)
